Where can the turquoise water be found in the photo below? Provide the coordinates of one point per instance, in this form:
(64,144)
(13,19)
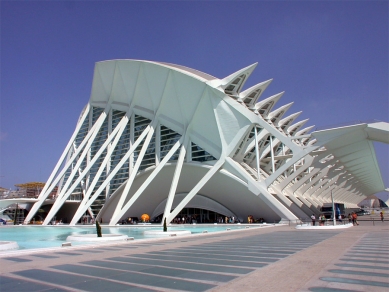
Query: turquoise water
(32,237)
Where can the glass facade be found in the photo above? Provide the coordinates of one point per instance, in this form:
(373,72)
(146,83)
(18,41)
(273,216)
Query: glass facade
(196,215)
(132,131)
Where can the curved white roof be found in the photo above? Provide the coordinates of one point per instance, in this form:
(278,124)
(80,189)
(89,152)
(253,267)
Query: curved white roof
(352,146)
(146,120)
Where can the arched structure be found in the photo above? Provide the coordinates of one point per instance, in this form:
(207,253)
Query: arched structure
(152,130)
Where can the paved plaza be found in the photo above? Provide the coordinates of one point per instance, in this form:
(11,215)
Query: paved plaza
(255,259)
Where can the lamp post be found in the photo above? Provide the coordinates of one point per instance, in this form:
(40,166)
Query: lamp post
(333,209)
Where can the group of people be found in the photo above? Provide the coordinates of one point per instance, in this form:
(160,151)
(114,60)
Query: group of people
(226,219)
(85,220)
(322,219)
(352,218)
(185,219)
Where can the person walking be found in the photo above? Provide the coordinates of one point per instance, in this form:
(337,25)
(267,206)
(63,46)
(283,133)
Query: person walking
(313,218)
(340,218)
(355,219)
(322,220)
(382,216)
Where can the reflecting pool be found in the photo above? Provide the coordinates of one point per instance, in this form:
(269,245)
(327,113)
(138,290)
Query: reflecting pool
(32,237)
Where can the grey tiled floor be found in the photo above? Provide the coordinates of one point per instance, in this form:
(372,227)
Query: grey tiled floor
(195,267)
(363,268)
(208,262)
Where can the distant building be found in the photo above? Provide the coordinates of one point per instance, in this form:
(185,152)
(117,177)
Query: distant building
(27,190)
(3,192)
(170,141)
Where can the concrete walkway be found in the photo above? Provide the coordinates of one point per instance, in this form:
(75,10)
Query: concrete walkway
(262,259)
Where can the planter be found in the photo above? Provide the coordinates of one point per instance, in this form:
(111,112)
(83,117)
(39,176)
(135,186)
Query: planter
(167,233)
(7,245)
(94,238)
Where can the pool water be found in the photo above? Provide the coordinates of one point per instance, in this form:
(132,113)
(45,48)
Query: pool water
(32,237)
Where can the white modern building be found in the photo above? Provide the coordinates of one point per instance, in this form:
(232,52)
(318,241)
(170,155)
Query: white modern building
(168,140)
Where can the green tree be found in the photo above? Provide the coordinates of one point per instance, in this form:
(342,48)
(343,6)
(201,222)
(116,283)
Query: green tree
(16,215)
(98,229)
(164,225)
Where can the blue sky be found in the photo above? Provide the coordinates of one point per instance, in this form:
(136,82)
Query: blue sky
(331,58)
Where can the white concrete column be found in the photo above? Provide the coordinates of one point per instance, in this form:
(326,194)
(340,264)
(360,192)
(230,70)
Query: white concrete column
(272,154)
(91,136)
(116,217)
(117,133)
(85,205)
(108,167)
(49,184)
(257,153)
(134,172)
(173,187)
(196,189)
(158,144)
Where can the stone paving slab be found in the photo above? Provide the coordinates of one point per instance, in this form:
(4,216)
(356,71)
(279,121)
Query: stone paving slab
(272,259)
